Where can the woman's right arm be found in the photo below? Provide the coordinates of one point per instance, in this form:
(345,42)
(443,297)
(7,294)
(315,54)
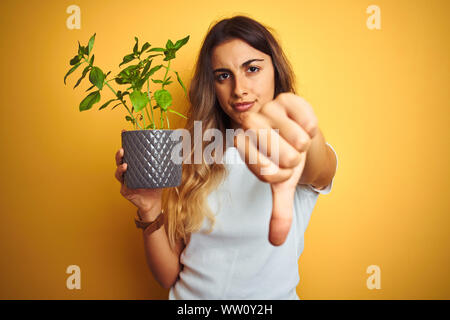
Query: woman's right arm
(162,260)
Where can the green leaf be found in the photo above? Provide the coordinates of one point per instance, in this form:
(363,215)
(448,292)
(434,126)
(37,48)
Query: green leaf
(169,44)
(163,98)
(157,81)
(170,54)
(97,77)
(154,69)
(157,49)
(116,106)
(80,49)
(91,44)
(147,66)
(90,100)
(121,80)
(128,70)
(135,48)
(71,70)
(85,71)
(127,74)
(173,111)
(91,61)
(121,94)
(181,83)
(140,83)
(106,104)
(75,60)
(181,43)
(127,59)
(167,82)
(128,118)
(154,55)
(145,78)
(139,100)
(90,88)
(145,47)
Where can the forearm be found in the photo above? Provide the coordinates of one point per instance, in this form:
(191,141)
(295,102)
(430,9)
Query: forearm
(161,259)
(320,163)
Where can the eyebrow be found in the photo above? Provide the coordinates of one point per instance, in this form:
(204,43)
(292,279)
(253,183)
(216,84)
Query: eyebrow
(246,63)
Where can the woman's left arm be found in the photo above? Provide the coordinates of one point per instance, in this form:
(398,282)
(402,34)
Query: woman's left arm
(320,165)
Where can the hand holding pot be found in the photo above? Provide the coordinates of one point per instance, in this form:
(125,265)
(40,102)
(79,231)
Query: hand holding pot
(148,201)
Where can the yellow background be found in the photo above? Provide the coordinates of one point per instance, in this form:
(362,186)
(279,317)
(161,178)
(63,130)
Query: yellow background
(381,97)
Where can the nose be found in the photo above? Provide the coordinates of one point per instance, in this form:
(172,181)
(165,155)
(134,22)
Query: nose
(240,86)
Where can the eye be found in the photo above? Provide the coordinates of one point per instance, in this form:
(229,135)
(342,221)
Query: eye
(220,76)
(254,68)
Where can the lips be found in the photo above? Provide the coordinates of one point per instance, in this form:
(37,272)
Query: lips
(243,106)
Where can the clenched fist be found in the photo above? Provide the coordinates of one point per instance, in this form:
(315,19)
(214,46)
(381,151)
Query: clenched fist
(278,158)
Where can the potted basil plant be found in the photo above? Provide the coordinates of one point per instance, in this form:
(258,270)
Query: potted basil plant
(148,147)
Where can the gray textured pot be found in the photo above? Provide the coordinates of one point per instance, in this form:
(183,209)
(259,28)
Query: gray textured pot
(147,154)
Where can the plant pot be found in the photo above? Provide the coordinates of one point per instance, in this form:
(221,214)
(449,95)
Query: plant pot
(147,154)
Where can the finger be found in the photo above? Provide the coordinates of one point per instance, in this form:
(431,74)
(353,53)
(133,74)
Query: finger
(120,171)
(282,212)
(270,142)
(119,157)
(298,109)
(118,174)
(282,205)
(290,130)
(259,164)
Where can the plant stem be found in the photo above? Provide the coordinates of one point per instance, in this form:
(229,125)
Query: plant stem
(167,118)
(148,116)
(162,87)
(173,111)
(150,103)
(143,119)
(167,70)
(123,102)
(146,110)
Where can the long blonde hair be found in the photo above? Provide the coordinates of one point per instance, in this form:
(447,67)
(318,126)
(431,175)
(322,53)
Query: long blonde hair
(186,205)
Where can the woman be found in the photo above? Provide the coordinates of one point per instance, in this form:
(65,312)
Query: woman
(242,80)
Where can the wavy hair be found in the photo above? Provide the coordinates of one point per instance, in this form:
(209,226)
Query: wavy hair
(186,205)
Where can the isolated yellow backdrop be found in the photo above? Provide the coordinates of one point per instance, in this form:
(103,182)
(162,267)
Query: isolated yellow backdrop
(381,97)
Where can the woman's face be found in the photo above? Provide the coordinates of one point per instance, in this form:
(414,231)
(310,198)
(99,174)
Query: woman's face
(242,75)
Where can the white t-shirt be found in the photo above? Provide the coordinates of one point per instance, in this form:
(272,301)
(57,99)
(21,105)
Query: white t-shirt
(236,260)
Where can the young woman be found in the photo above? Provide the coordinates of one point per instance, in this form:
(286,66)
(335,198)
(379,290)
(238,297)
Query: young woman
(229,231)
